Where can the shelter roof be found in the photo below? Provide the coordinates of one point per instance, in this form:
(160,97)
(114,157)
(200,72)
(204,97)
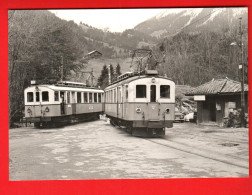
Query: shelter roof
(218,86)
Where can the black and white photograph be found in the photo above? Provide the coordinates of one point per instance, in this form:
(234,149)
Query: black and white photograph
(148,93)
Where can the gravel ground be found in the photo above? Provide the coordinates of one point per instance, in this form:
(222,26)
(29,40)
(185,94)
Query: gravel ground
(97,150)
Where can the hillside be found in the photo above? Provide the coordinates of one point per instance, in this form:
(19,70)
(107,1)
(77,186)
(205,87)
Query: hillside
(192,20)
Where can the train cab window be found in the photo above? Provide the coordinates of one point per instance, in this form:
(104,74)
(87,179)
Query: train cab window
(45,96)
(164,91)
(99,97)
(37,97)
(140,91)
(78,97)
(56,96)
(85,97)
(90,97)
(95,97)
(30,97)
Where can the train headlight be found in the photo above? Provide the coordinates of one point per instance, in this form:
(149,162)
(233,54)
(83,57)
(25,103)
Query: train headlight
(47,109)
(167,110)
(138,110)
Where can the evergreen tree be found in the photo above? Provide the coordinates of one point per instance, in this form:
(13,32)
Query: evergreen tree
(103,78)
(118,70)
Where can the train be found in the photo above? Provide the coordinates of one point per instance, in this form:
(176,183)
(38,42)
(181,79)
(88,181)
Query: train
(62,103)
(144,103)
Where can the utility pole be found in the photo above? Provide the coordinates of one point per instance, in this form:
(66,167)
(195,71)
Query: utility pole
(242,80)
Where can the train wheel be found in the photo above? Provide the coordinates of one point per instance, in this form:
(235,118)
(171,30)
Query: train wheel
(129,129)
(37,124)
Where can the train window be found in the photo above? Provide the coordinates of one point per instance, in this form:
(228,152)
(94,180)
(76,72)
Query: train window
(45,96)
(114,95)
(85,97)
(56,96)
(127,93)
(99,97)
(78,97)
(73,97)
(68,97)
(62,98)
(30,97)
(140,91)
(90,97)
(37,97)
(95,97)
(164,91)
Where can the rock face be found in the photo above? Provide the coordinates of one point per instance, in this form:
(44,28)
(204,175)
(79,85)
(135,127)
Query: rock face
(171,21)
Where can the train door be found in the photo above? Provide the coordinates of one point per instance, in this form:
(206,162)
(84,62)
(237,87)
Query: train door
(62,103)
(153,109)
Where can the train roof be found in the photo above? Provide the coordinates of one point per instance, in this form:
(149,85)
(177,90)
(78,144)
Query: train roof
(63,88)
(132,78)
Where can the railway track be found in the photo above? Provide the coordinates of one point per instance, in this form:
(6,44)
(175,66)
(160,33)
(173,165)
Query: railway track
(212,155)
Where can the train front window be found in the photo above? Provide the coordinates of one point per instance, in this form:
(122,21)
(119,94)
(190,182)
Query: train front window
(30,97)
(141,91)
(37,96)
(164,91)
(45,96)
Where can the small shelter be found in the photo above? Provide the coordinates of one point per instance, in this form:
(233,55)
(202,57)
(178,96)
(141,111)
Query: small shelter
(217,98)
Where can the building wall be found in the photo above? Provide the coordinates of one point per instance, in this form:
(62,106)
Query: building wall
(206,109)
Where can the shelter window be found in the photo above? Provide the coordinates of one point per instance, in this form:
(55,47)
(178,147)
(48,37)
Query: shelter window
(90,97)
(78,97)
(37,97)
(164,91)
(85,97)
(141,91)
(45,96)
(30,97)
(56,96)
(95,97)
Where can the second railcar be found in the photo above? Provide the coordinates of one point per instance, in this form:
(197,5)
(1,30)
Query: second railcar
(59,104)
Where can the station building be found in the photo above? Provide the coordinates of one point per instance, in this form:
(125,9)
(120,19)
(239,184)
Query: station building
(215,99)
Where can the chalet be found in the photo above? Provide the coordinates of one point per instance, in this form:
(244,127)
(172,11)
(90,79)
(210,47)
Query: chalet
(217,98)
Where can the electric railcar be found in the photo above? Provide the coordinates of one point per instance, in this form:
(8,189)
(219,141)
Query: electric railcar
(62,103)
(143,103)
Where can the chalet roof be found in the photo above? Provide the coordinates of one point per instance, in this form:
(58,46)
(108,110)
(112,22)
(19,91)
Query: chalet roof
(218,86)
(95,51)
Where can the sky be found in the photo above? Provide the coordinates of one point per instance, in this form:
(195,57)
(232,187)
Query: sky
(117,20)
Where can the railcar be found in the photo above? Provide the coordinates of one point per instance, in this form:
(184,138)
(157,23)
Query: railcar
(143,103)
(64,102)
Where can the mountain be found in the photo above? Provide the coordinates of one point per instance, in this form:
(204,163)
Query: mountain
(171,21)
